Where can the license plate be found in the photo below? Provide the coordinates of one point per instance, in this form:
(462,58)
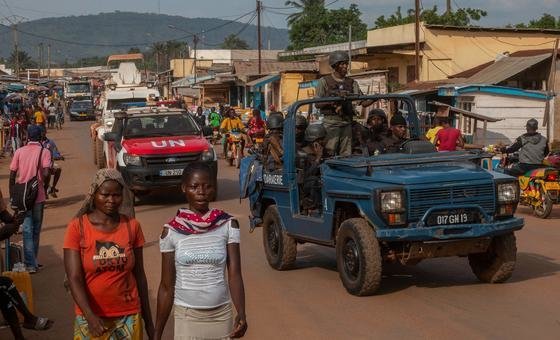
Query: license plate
(171,172)
(450,217)
(259,140)
(552,185)
(82,114)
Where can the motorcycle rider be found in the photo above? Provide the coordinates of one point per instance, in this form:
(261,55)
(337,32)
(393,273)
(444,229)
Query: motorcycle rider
(273,149)
(338,116)
(230,123)
(532,148)
(309,159)
(256,125)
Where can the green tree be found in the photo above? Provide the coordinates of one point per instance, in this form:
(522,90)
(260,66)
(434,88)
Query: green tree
(24,60)
(460,17)
(545,21)
(304,6)
(318,25)
(233,42)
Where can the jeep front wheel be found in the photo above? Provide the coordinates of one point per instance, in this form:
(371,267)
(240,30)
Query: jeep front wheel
(358,257)
(496,265)
(280,248)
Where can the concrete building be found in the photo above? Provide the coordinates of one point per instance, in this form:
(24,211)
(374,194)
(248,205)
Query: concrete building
(446,50)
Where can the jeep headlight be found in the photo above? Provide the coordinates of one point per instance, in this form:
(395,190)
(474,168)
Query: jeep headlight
(130,159)
(208,155)
(507,198)
(392,207)
(507,192)
(391,201)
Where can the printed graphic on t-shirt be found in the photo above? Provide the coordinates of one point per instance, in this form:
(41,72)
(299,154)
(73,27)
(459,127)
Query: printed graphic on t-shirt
(109,257)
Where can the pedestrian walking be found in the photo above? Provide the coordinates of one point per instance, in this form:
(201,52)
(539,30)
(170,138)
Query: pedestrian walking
(29,161)
(103,257)
(448,138)
(197,246)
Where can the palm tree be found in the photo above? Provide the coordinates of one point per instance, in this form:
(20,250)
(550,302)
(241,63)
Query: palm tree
(158,49)
(303,6)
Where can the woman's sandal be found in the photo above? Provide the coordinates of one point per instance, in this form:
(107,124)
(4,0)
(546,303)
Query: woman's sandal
(41,324)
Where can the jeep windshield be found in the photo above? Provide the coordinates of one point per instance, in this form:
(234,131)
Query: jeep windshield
(160,125)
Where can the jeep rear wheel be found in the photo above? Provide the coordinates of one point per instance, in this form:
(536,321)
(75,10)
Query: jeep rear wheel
(358,257)
(280,248)
(498,262)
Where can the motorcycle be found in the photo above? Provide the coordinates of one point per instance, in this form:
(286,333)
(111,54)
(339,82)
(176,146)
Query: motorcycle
(234,149)
(216,137)
(538,188)
(258,140)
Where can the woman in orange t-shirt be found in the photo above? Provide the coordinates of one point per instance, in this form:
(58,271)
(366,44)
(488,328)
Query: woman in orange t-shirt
(104,263)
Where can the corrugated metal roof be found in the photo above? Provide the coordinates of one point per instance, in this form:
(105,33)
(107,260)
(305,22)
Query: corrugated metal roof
(504,69)
(251,68)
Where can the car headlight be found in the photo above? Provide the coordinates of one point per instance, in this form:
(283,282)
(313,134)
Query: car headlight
(508,192)
(130,159)
(391,201)
(208,155)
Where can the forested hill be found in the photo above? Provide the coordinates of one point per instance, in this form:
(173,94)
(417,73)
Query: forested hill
(76,37)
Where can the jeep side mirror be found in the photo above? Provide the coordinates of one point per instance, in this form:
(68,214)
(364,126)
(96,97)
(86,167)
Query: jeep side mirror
(207,131)
(110,136)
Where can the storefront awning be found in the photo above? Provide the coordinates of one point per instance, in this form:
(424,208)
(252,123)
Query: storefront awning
(264,80)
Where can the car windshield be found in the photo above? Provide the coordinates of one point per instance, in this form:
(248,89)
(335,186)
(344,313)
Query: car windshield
(117,104)
(81,105)
(160,125)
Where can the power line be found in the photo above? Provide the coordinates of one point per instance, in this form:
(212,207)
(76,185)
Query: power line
(8,6)
(238,33)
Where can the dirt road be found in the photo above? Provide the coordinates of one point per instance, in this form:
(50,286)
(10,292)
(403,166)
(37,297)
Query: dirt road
(438,299)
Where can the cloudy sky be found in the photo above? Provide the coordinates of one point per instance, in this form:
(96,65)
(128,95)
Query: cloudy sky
(500,12)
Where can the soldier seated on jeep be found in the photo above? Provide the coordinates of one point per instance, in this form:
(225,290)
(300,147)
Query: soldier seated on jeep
(309,160)
(393,142)
(273,151)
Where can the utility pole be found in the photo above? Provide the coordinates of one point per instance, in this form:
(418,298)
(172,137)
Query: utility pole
(417,41)
(195,42)
(40,60)
(349,49)
(448,11)
(16,52)
(259,44)
(49,61)
(13,21)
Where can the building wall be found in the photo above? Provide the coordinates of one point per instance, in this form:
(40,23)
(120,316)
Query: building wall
(445,52)
(515,111)
(289,88)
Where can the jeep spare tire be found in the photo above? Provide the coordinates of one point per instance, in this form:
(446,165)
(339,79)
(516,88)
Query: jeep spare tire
(280,248)
(358,257)
(496,265)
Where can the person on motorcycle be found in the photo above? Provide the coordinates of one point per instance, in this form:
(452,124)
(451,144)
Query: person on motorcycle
(256,125)
(301,125)
(230,123)
(532,148)
(273,149)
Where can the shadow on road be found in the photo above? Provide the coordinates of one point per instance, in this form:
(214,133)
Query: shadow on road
(65,201)
(531,266)
(228,189)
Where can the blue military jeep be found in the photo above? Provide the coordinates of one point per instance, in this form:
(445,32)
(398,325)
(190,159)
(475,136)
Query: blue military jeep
(401,207)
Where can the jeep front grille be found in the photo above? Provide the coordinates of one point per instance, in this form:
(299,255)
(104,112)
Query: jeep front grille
(420,200)
(179,160)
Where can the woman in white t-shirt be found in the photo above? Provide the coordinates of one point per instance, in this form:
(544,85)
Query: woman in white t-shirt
(197,246)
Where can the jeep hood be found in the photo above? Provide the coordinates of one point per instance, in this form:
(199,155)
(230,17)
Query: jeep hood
(165,145)
(407,169)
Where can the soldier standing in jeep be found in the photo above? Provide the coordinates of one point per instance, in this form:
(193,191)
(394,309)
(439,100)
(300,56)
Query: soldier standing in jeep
(338,117)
